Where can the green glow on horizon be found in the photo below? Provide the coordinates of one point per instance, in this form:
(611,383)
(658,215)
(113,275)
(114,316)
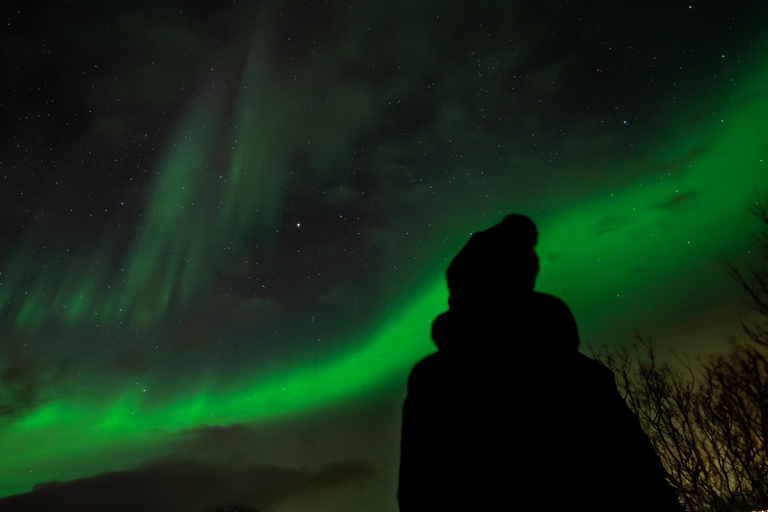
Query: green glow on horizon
(34,441)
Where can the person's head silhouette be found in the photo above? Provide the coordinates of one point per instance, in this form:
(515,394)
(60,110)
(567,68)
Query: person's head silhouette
(496,266)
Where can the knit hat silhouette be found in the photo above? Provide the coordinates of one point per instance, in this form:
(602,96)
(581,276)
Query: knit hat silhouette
(499,260)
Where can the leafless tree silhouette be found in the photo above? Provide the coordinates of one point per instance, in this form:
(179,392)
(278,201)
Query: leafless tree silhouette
(709,423)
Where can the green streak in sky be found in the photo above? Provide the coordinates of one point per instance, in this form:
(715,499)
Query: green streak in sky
(199,213)
(167,248)
(255,187)
(72,430)
(608,253)
(165,254)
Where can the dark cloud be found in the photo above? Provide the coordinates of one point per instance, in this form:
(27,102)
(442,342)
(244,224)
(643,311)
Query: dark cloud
(131,362)
(184,485)
(26,381)
(341,194)
(611,224)
(678,165)
(20,381)
(678,200)
(551,256)
(230,444)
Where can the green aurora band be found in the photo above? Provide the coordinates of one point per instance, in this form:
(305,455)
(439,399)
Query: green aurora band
(174,249)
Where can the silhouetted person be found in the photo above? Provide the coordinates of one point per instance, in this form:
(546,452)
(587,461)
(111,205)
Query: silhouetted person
(508,415)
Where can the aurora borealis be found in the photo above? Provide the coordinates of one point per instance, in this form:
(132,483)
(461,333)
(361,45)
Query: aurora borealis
(231,222)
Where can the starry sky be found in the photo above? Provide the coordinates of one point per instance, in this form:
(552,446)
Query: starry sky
(224,225)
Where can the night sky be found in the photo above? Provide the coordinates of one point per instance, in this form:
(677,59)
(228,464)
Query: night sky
(224,226)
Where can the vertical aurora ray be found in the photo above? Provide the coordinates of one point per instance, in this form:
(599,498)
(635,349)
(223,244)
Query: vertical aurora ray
(255,185)
(177,223)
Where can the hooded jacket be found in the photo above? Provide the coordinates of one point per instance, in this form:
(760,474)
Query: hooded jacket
(507,414)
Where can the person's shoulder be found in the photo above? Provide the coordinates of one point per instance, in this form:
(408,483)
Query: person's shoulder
(593,371)
(428,363)
(549,303)
(425,369)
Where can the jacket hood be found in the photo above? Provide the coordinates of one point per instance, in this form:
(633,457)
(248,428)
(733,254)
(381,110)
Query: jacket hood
(536,321)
